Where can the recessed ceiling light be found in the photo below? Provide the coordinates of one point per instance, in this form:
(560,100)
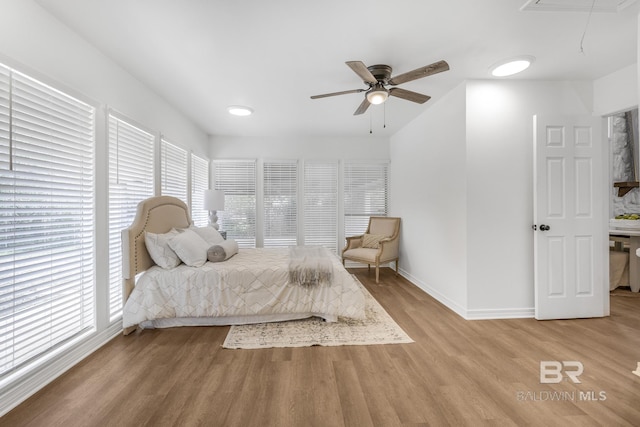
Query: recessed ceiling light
(511,66)
(239,110)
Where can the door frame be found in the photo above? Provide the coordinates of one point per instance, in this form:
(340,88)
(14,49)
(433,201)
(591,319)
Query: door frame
(612,192)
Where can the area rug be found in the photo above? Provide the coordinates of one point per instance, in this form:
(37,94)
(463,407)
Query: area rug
(376,328)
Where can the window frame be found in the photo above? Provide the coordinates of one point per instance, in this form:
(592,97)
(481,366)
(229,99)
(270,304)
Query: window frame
(56,153)
(239,180)
(174,170)
(136,157)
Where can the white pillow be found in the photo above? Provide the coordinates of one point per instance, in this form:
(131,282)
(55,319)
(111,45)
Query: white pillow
(159,249)
(190,248)
(209,234)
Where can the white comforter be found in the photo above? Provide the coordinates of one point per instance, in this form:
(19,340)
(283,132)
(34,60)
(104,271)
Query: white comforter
(255,282)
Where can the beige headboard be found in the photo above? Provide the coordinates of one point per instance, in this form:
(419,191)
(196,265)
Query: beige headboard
(155,215)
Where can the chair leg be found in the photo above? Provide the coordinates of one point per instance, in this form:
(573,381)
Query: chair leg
(396,267)
(377,274)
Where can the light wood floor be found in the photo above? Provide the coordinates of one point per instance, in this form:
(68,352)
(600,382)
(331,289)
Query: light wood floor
(456,373)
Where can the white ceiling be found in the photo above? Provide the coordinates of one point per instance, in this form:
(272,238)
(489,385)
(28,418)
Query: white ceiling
(203,55)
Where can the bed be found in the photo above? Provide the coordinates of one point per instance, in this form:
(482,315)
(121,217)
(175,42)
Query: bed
(252,286)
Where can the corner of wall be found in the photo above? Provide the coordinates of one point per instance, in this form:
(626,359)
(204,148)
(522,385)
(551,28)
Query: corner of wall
(428,167)
(616,92)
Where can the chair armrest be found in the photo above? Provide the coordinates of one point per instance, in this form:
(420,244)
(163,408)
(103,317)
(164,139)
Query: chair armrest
(353,242)
(388,248)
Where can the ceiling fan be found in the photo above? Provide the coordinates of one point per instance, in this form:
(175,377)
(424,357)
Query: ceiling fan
(377,77)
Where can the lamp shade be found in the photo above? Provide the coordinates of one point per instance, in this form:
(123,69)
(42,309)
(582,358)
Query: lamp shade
(377,96)
(213,200)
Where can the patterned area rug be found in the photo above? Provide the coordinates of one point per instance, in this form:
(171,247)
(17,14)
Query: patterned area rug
(377,328)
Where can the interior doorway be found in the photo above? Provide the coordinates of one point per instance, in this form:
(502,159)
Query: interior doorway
(624,179)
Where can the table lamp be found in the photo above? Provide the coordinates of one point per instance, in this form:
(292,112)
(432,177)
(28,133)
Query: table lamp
(214,202)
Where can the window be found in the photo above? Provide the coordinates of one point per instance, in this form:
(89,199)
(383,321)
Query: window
(306,204)
(173,171)
(238,180)
(280,203)
(199,183)
(130,181)
(46,218)
(321,204)
(365,194)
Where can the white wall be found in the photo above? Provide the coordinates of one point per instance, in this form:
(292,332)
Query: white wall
(428,191)
(500,188)
(463,184)
(35,42)
(366,147)
(616,92)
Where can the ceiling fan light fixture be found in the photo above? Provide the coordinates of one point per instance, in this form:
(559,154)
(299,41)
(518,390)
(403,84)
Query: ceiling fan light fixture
(239,110)
(378,76)
(377,95)
(511,66)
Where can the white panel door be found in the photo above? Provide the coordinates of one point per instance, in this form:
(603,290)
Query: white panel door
(569,218)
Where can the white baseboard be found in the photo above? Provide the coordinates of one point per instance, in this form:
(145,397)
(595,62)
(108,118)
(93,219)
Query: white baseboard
(474,314)
(500,313)
(24,386)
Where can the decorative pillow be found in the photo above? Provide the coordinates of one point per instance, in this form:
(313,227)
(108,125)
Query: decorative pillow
(222,251)
(208,234)
(159,249)
(190,248)
(372,240)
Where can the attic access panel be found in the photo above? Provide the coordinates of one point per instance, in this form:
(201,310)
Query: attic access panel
(611,6)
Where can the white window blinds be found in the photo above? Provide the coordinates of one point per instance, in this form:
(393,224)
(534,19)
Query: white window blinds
(321,204)
(5,119)
(173,173)
(365,194)
(131,152)
(199,183)
(238,180)
(46,218)
(280,195)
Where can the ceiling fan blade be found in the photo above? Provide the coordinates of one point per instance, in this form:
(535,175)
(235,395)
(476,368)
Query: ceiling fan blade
(360,69)
(363,107)
(409,95)
(344,92)
(436,67)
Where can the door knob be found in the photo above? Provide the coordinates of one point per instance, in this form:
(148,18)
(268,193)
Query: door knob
(544,227)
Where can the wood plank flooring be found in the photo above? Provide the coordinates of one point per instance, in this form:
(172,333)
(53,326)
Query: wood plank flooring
(457,372)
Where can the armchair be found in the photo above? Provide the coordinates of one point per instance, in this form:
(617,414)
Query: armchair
(378,245)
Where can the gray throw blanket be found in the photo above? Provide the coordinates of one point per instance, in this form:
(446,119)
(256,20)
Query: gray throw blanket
(310,265)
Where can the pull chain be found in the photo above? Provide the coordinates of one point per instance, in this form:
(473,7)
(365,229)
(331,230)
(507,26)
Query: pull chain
(584,33)
(384,116)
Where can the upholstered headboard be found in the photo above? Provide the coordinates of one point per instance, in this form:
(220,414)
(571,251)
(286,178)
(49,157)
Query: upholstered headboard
(155,215)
